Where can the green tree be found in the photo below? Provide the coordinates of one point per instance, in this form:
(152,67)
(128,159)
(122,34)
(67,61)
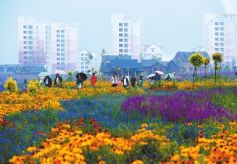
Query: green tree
(11,85)
(217,58)
(196,60)
(206,61)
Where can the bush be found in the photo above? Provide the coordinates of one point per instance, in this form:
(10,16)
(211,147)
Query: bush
(11,85)
(33,86)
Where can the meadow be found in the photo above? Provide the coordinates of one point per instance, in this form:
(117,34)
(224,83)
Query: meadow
(167,122)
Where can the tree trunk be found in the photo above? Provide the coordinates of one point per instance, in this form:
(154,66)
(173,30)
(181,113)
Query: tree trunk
(215,72)
(194,71)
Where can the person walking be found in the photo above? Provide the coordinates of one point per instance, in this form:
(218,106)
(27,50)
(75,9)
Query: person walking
(47,81)
(79,81)
(157,77)
(58,80)
(114,80)
(93,79)
(140,81)
(133,81)
(125,82)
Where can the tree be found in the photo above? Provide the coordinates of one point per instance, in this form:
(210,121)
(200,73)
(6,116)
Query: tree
(196,60)
(217,58)
(206,61)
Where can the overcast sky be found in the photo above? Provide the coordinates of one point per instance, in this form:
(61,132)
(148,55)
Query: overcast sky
(174,25)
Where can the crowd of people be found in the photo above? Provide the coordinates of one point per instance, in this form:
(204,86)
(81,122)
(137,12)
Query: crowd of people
(125,81)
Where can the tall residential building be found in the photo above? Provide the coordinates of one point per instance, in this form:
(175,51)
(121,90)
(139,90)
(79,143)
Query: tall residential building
(83,60)
(33,41)
(221,36)
(64,47)
(126,32)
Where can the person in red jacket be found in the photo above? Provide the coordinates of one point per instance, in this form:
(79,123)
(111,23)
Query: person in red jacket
(93,79)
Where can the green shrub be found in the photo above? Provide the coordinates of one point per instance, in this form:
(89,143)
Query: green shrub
(11,85)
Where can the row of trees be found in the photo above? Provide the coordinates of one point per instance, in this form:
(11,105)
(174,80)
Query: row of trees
(197,60)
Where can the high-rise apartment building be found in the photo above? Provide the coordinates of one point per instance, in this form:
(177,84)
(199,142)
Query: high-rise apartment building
(33,41)
(221,36)
(126,32)
(64,46)
(53,45)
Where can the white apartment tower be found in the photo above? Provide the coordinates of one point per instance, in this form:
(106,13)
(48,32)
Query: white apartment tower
(126,32)
(64,47)
(33,42)
(221,36)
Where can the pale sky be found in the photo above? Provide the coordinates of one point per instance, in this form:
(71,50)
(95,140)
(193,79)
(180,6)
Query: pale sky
(174,25)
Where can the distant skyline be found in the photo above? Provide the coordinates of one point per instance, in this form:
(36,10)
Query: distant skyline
(174,25)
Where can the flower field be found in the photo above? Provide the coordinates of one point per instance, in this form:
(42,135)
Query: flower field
(173,122)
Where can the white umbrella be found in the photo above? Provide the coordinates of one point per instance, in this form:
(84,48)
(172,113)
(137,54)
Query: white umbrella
(43,74)
(160,72)
(151,75)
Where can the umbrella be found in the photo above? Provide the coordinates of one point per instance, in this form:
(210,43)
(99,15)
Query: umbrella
(151,75)
(82,75)
(160,72)
(43,74)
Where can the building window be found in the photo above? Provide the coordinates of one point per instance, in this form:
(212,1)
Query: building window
(120,35)
(126,45)
(216,44)
(58,45)
(58,49)
(58,54)
(62,36)
(25,42)
(120,45)
(120,50)
(30,42)
(58,40)
(62,31)
(120,40)
(222,23)
(216,33)
(222,49)
(30,37)
(58,58)
(216,39)
(25,37)
(126,50)
(222,39)
(24,26)
(216,23)
(62,49)
(120,30)
(62,59)
(222,34)
(30,32)
(222,44)
(30,48)
(125,40)
(120,24)
(125,35)
(216,49)
(58,31)
(30,27)
(125,30)
(25,52)
(25,32)
(216,28)
(25,57)
(58,63)
(222,28)
(62,45)
(62,41)
(125,24)
(62,54)
(58,36)
(25,47)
